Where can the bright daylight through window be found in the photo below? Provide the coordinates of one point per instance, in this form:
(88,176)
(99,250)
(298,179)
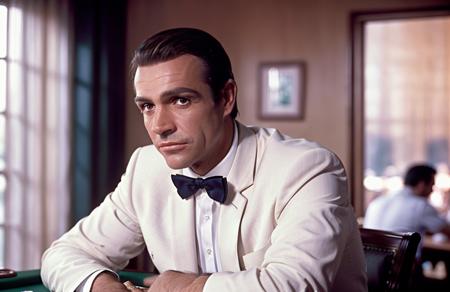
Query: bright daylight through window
(407,105)
(3,180)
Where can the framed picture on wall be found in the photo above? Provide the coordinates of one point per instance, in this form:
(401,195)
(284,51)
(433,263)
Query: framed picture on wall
(281,90)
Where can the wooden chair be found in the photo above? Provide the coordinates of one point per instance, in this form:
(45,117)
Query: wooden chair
(390,258)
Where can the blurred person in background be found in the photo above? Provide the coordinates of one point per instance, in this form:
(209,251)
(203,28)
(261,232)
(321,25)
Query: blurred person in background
(408,209)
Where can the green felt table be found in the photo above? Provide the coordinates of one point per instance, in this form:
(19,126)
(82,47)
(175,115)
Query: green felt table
(31,281)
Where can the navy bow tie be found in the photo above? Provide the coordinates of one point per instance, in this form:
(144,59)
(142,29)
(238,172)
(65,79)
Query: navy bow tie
(216,186)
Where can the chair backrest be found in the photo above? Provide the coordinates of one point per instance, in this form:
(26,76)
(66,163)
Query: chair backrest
(390,258)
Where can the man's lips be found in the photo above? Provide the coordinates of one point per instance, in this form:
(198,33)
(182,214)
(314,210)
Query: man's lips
(171,146)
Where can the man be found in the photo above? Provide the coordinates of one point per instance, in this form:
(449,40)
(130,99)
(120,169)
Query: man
(408,210)
(281,220)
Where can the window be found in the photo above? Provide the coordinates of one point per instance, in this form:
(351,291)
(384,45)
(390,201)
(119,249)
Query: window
(400,100)
(3,180)
(407,102)
(34,129)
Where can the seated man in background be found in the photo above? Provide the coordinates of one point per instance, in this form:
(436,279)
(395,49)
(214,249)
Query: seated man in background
(408,210)
(259,211)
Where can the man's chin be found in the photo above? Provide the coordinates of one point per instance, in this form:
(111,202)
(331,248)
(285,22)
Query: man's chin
(177,164)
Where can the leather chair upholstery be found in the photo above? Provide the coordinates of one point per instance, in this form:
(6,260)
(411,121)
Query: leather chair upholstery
(390,258)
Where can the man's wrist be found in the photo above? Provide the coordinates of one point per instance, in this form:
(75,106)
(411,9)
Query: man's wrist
(104,280)
(198,283)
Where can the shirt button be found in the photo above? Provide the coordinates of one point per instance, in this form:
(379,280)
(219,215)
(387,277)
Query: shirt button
(206,217)
(209,251)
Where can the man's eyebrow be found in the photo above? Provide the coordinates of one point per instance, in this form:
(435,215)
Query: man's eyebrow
(141,99)
(169,94)
(178,91)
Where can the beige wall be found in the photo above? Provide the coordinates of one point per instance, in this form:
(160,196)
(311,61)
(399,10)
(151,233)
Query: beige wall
(314,31)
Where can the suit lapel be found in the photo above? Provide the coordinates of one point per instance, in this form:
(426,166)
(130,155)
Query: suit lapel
(240,178)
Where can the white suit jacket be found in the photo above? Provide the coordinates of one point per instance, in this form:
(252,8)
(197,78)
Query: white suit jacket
(287,223)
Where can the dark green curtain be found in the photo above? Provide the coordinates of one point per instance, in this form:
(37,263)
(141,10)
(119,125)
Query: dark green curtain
(99,101)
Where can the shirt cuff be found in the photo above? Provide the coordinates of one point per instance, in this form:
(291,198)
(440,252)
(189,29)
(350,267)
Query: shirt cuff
(86,285)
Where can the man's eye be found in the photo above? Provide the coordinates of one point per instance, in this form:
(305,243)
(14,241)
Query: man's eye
(146,107)
(182,101)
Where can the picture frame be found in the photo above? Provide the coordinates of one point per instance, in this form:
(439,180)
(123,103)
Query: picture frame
(281,90)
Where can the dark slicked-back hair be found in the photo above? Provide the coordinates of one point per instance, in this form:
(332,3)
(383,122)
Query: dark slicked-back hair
(418,173)
(172,43)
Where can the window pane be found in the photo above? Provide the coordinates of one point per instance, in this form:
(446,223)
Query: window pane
(3,30)
(2,142)
(2,247)
(2,198)
(15,29)
(2,86)
(15,89)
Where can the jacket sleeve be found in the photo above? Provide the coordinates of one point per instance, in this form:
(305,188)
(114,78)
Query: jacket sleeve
(104,240)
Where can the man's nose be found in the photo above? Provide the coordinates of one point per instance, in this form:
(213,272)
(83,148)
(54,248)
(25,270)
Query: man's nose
(162,123)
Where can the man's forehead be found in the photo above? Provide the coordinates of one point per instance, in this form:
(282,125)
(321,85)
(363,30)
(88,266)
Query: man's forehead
(183,68)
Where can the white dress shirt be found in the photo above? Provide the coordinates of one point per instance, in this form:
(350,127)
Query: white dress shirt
(207,214)
(206,218)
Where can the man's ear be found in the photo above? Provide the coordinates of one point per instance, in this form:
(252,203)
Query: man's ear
(419,188)
(229,93)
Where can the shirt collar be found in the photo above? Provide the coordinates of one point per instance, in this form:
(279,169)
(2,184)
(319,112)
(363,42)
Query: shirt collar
(224,166)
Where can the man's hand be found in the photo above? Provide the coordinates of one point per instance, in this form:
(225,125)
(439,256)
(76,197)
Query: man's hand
(106,281)
(172,281)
